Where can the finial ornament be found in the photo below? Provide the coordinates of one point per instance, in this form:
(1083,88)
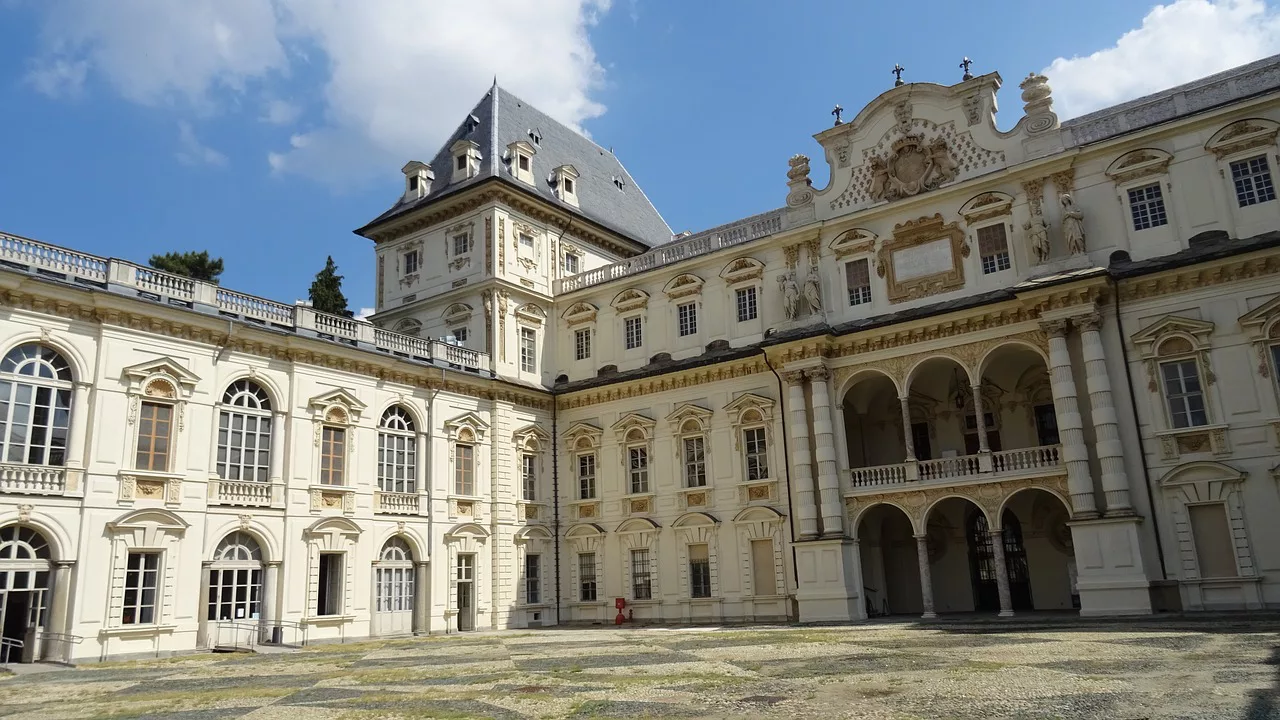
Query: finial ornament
(838,111)
(897,74)
(964,64)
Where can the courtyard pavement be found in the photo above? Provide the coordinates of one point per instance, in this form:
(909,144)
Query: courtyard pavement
(1225,667)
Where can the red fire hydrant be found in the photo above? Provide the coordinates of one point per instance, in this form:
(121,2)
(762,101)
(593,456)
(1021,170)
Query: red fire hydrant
(619,603)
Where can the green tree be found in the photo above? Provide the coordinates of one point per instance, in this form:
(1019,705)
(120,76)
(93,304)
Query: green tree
(195,265)
(326,291)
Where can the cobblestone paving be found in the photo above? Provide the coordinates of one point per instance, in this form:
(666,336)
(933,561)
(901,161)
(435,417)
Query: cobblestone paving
(1219,668)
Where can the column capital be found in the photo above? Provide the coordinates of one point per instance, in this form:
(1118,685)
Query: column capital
(273,563)
(1055,328)
(1088,323)
(67,564)
(817,374)
(793,377)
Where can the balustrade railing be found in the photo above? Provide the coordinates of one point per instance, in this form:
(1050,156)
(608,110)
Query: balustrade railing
(22,251)
(397,503)
(245,493)
(33,479)
(249,306)
(1021,460)
(163,283)
(879,475)
(400,343)
(456,355)
(952,467)
(1033,458)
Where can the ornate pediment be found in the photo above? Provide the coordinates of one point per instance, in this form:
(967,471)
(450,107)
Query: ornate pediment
(683,285)
(1137,164)
(853,242)
(580,312)
(531,437)
(634,421)
(742,269)
(582,436)
(688,411)
(323,405)
(531,314)
(457,313)
(1153,336)
(183,380)
(911,166)
(986,206)
(1243,135)
(630,299)
(468,422)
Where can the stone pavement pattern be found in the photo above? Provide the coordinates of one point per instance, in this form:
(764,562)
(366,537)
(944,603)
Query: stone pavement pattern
(1211,668)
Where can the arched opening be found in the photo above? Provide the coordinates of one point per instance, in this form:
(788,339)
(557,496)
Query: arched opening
(24,590)
(941,403)
(235,580)
(890,571)
(1018,407)
(951,570)
(873,431)
(984,568)
(1041,519)
(394,588)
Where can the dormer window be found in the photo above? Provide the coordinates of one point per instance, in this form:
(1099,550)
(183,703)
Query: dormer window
(524,163)
(565,181)
(417,180)
(520,160)
(466,160)
(460,162)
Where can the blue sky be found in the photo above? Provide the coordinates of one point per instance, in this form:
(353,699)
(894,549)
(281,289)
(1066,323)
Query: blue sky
(266,130)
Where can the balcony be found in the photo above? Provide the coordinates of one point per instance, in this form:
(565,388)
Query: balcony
(396,503)
(241,493)
(1005,464)
(33,480)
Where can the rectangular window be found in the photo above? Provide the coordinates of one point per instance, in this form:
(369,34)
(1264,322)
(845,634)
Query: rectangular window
(529,477)
(333,450)
(413,183)
(631,332)
(526,241)
(857,275)
(329,585)
(155,425)
(524,163)
(641,580)
(764,578)
(141,585)
(528,350)
(459,334)
(1146,206)
(582,344)
(1252,179)
(587,577)
(695,462)
(533,579)
(464,470)
(1182,392)
(757,454)
(639,469)
(687,318)
(1215,550)
(699,572)
(571,264)
(586,477)
(411,262)
(461,162)
(920,441)
(1046,424)
(993,248)
(746,303)
(461,244)
(568,186)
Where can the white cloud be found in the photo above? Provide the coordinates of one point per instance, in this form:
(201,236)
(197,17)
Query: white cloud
(281,112)
(365,312)
(192,152)
(398,75)
(1177,43)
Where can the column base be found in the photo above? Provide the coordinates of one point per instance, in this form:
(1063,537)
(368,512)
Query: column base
(830,580)
(1110,577)
(1007,614)
(929,616)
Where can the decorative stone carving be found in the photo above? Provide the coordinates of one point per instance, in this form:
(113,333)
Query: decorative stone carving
(924,258)
(1072,224)
(911,168)
(1037,97)
(1243,135)
(1138,164)
(813,290)
(245,520)
(973,109)
(1038,238)
(24,513)
(902,113)
(790,294)
(842,153)
(801,192)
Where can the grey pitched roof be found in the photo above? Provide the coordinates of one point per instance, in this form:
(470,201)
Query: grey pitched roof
(500,119)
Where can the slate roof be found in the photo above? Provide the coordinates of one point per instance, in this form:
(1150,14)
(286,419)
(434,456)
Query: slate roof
(500,119)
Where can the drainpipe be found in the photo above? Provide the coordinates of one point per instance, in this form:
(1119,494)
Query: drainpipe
(786,465)
(555,495)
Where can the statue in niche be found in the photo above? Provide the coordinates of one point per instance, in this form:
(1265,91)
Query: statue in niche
(790,294)
(813,290)
(1038,237)
(1072,224)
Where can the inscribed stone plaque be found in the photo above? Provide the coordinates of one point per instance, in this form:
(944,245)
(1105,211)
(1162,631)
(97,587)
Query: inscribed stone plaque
(931,258)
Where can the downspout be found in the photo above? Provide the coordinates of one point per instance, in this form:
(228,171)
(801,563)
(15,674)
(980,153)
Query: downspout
(555,495)
(786,466)
(1133,406)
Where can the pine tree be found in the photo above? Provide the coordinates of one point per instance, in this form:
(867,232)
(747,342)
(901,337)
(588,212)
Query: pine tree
(326,292)
(195,265)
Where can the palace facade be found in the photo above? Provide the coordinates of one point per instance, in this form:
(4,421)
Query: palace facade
(980,370)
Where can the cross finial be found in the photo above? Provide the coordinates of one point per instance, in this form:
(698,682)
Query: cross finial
(965,63)
(837,111)
(897,74)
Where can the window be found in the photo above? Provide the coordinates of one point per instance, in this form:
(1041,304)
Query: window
(464,470)
(35,406)
(1146,206)
(532,579)
(244,433)
(528,350)
(1215,548)
(393,577)
(461,244)
(1275,362)
(632,333)
(641,581)
(687,315)
(571,264)
(764,578)
(699,572)
(1252,179)
(411,262)
(413,183)
(526,241)
(1182,392)
(586,477)
(1046,424)
(587,577)
(459,334)
(746,304)
(695,462)
(757,454)
(141,578)
(568,186)
(857,275)
(397,452)
(582,344)
(333,446)
(235,579)
(920,440)
(524,163)
(993,248)
(461,162)
(329,585)
(155,423)
(529,477)
(639,469)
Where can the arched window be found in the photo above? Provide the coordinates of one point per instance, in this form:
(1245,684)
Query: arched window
(397,451)
(244,433)
(24,582)
(394,583)
(235,579)
(35,405)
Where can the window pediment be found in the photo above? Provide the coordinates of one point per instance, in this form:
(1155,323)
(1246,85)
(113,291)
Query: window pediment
(694,519)
(332,526)
(585,530)
(686,412)
(582,436)
(986,206)
(467,530)
(581,312)
(1140,163)
(1243,135)
(531,438)
(637,525)
(853,242)
(531,314)
(751,401)
(467,423)
(336,406)
(457,313)
(149,519)
(742,269)
(1203,471)
(1261,322)
(634,421)
(758,513)
(630,299)
(683,285)
(1153,340)
(141,378)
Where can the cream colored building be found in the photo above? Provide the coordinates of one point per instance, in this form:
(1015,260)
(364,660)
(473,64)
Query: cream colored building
(979,370)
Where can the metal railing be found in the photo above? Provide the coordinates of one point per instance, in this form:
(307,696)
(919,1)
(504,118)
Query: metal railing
(62,641)
(10,650)
(247,635)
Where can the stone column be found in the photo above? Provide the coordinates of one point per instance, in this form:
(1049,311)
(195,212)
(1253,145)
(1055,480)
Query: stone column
(979,416)
(907,440)
(1115,483)
(1002,573)
(59,650)
(421,588)
(801,466)
(1070,428)
(278,447)
(830,504)
(204,630)
(926,578)
(270,587)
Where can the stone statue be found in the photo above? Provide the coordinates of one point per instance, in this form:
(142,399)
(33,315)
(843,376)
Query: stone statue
(942,166)
(879,179)
(1038,237)
(1072,224)
(813,290)
(790,294)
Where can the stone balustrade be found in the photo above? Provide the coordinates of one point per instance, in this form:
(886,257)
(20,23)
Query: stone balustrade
(33,480)
(240,493)
(1045,459)
(1033,458)
(879,475)
(396,503)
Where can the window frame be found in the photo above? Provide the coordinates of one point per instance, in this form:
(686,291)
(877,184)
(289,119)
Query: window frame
(641,558)
(751,305)
(632,333)
(584,479)
(1001,261)
(587,561)
(229,409)
(137,577)
(687,319)
(60,393)
(1132,220)
(1171,415)
(533,580)
(577,264)
(582,344)
(166,456)
(761,455)
(464,473)
(397,441)
(1247,160)
(866,294)
(329,433)
(528,477)
(699,571)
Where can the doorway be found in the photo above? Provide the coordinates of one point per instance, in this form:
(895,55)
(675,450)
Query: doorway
(466,592)
(393,583)
(986,593)
(24,585)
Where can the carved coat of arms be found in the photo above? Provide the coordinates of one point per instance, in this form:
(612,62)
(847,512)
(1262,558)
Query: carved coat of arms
(912,167)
